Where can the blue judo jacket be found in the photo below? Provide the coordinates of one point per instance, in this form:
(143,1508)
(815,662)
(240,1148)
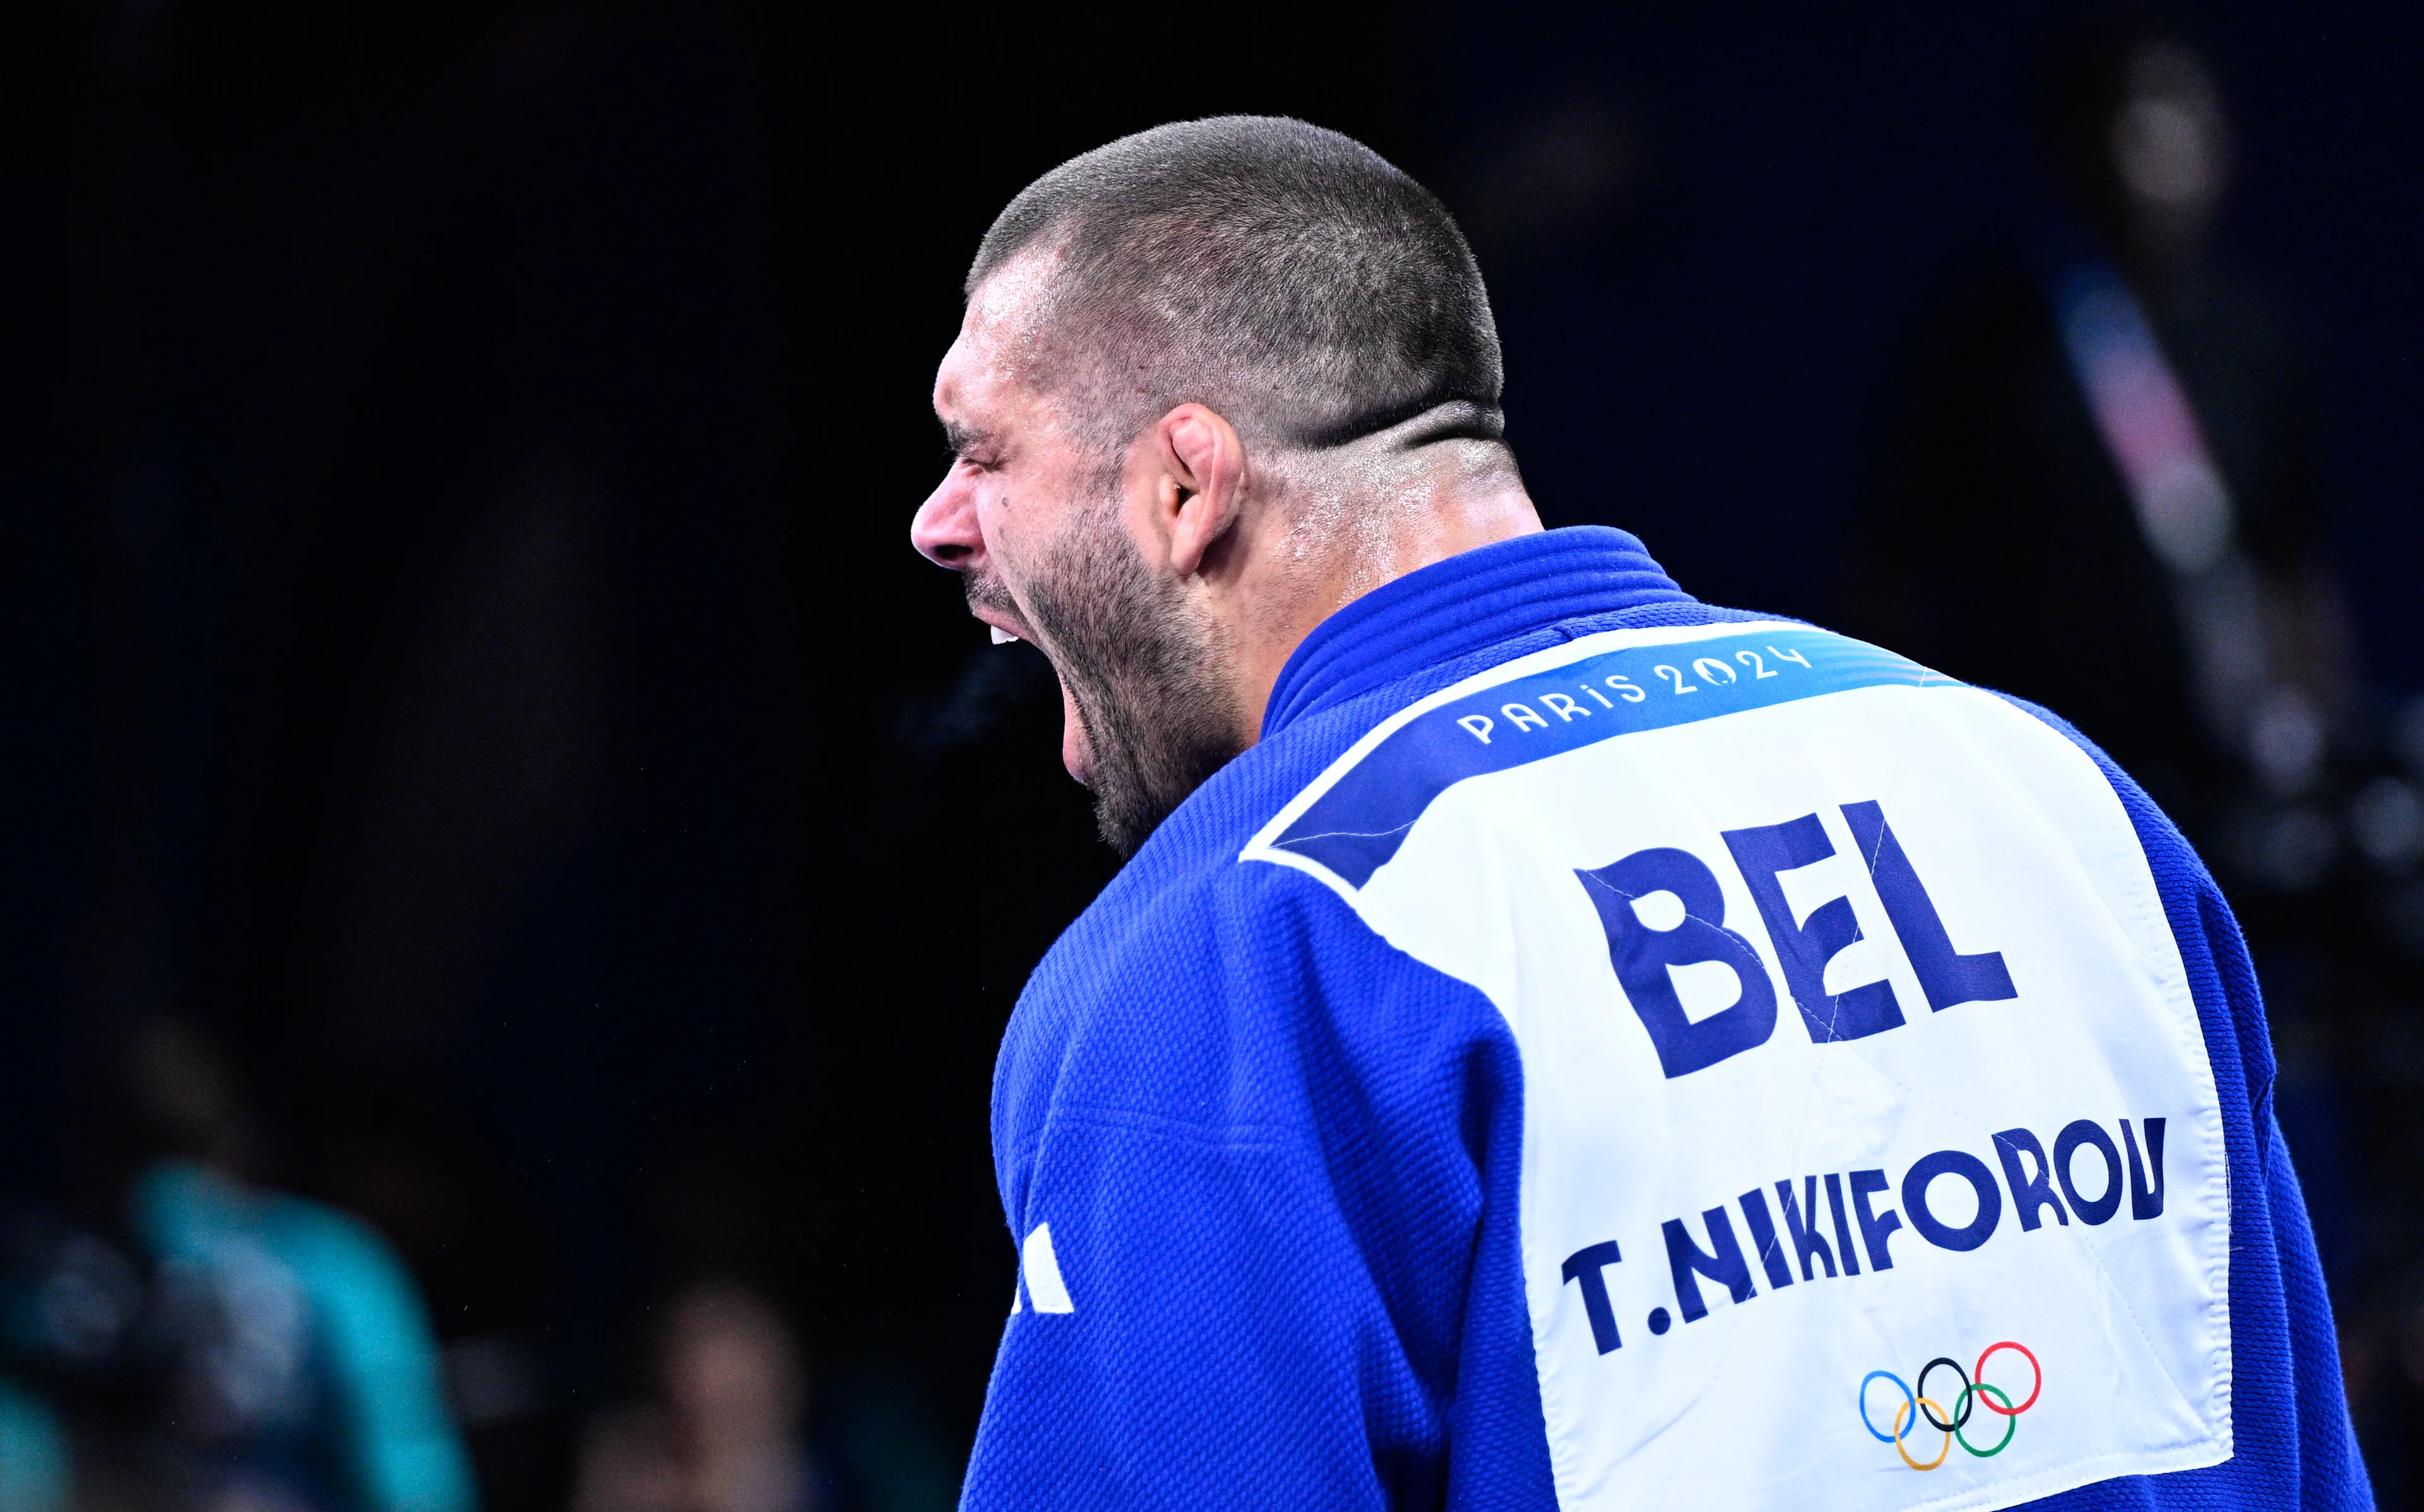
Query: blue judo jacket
(1599,1050)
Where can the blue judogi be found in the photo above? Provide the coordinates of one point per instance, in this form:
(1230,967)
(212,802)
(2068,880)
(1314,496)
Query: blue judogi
(1292,1236)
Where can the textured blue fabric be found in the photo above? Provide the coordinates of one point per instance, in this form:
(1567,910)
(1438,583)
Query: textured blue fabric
(1279,1160)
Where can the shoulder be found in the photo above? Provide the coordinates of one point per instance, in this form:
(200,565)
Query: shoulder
(1569,696)
(1210,993)
(344,1261)
(2179,873)
(2213,952)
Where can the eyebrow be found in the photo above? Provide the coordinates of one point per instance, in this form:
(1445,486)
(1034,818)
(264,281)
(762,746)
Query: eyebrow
(960,438)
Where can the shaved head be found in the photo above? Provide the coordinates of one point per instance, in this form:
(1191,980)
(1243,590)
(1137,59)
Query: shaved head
(1212,381)
(1285,276)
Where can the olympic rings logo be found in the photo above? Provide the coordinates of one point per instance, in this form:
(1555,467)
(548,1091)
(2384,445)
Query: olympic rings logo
(1917,1405)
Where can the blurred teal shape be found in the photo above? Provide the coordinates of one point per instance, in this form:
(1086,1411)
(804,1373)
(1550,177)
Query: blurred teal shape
(35,1470)
(361,1327)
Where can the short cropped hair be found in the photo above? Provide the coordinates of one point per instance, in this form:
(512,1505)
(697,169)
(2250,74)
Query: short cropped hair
(1286,275)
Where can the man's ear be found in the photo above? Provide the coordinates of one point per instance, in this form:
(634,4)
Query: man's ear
(1199,490)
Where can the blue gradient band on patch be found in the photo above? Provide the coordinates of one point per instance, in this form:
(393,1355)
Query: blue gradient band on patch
(1357,825)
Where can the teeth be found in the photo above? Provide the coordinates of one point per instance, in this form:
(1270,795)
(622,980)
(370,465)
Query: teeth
(1000,636)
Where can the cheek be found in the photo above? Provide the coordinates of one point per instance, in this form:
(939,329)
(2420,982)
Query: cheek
(1005,519)
(994,516)
(1025,523)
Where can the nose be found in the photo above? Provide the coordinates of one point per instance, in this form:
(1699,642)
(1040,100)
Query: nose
(944,531)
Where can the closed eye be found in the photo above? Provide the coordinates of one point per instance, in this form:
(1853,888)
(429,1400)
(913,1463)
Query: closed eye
(970,446)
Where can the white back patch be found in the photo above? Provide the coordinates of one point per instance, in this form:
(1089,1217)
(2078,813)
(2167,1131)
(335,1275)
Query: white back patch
(1859,1065)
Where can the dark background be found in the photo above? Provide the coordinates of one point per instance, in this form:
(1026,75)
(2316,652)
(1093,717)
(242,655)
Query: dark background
(462,646)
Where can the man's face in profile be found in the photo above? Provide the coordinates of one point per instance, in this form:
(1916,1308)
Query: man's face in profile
(1031,515)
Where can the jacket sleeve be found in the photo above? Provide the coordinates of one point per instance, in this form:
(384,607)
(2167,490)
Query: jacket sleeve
(407,1452)
(2331,1474)
(2328,1469)
(2294,1443)
(1251,1211)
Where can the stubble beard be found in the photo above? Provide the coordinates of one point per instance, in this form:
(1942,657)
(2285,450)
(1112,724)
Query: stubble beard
(1144,673)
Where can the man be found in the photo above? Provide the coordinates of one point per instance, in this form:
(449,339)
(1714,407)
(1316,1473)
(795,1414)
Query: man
(1555,1042)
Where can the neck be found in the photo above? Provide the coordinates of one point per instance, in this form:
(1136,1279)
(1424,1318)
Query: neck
(1338,523)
